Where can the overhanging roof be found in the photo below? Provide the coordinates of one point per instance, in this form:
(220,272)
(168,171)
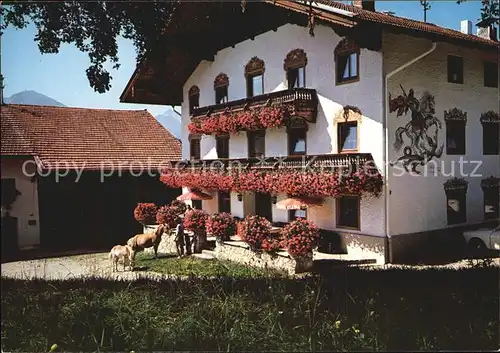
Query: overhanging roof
(194,38)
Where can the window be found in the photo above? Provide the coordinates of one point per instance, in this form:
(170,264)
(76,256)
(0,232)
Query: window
(491,203)
(256,143)
(221,95)
(456,208)
(194,147)
(194,98)
(455,120)
(455,69)
(491,133)
(294,214)
(221,84)
(224,199)
(347,67)
(347,136)
(297,141)
(296,78)
(222,146)
(196,204)
(255,85)
(348,212)
(491,197)
(490,74)
(346,61)
(455,139)
(254,73)
(295,67)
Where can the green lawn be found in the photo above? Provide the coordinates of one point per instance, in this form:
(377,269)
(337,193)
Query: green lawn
(201,267)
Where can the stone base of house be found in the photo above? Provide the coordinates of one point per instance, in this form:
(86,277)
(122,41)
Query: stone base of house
(240,252)
(436,246)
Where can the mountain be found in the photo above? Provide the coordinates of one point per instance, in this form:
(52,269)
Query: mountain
(171,121)
(32,98)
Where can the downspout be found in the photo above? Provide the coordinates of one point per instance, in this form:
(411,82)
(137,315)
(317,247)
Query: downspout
(386,144)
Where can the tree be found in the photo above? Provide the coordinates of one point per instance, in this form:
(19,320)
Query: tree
(94,27)
(490,12)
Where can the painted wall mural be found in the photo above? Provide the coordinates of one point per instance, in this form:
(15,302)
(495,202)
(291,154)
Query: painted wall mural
(418,139)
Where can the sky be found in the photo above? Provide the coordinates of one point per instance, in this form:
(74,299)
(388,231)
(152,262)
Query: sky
(62,76)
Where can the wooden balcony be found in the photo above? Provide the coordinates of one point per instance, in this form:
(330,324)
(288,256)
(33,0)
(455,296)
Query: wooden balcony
(303,102)
(321,162)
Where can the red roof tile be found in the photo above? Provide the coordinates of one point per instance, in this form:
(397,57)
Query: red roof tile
(396,21)
(86,138)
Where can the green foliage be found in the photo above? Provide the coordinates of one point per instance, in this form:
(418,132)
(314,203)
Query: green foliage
(353,310)
(94,27)
(191,266)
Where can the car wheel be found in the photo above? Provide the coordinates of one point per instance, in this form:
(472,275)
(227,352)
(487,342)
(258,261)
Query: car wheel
(477,247)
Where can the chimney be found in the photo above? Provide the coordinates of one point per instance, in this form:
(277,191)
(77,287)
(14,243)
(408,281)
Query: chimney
(466,27)
(365,5)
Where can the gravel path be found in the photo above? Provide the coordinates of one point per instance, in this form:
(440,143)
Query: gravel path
(98,265)
(90,265)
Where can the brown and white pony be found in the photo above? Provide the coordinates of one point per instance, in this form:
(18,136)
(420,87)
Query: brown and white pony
(147,240)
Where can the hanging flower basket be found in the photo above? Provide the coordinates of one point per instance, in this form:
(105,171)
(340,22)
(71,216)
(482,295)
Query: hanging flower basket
(245,120)
(296,183)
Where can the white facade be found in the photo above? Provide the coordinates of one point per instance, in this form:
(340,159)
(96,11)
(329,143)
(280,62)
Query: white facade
(415,203)
(272,47)
(25,207)
(418,202)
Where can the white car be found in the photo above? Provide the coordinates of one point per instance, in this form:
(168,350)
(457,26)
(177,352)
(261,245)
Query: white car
(483,239)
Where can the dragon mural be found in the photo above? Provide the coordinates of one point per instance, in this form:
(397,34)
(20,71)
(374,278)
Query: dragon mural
(419,137)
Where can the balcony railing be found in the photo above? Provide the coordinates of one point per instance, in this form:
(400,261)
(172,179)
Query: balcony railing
(322,161)
(303,102)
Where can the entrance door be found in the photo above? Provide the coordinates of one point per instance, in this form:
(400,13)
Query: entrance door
(263,206)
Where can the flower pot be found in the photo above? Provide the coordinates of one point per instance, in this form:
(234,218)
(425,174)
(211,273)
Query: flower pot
(149,228)
(200,242)
(303,263)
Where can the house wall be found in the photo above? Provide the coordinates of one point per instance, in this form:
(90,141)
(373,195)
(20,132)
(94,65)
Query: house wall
(417,203)
(272,47)
(25,208)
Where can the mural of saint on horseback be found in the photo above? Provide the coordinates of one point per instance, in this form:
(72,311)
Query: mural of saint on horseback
(419,137)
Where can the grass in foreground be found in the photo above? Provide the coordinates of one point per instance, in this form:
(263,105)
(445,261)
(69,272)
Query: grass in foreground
(201,267)
(354,309)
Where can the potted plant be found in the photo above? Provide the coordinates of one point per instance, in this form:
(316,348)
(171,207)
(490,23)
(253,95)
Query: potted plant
(145,214)
(301,237)
(221,225)
(195,221)
(253,230)
(272,245)
(167,215)
(179,207)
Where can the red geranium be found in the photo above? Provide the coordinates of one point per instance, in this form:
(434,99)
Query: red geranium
(195,221)
(221,225)
(145,213)
(167,215)
(300,236)
(253,230)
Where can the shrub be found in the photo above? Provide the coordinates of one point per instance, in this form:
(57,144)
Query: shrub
(145,213)
(221,225)
(253,230)
(168,216)
(179,206)
(195,221)
(300,236)
(272,244)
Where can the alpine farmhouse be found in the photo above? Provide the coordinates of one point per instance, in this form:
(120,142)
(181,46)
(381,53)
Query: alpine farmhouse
(289,91)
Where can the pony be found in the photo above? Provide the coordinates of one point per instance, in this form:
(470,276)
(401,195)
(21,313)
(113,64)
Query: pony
(123,252)
(147,240)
